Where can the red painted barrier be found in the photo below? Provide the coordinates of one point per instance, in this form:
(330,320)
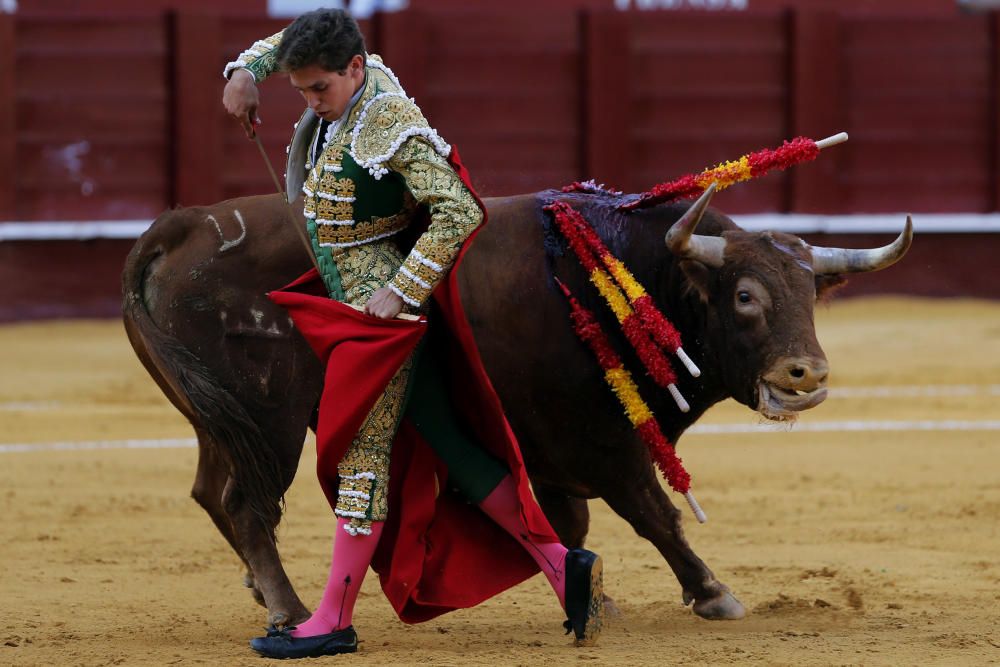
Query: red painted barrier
(121,117)
(106,117)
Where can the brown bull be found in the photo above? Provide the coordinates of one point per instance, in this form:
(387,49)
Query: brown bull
(196,313)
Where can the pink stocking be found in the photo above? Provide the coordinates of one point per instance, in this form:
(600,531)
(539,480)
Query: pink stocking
(352,554)
(504,507)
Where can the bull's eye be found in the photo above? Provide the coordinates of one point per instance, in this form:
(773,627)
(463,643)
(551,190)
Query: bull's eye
(744,296)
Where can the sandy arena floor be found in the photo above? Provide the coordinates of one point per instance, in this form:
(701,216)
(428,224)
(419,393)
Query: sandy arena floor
(858,537)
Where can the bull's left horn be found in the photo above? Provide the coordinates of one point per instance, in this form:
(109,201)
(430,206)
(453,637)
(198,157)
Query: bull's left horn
(683,242)
(846,260)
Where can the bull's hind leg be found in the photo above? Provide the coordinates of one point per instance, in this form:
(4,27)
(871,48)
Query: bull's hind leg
(209,484)
(257,545)
(643,503)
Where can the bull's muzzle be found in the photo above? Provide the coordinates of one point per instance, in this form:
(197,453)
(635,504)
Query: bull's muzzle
(792,385)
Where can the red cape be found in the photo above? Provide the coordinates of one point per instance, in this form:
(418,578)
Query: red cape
(437,553)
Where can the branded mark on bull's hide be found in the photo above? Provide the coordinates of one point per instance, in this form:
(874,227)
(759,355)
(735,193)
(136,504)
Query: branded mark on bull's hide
(229,245)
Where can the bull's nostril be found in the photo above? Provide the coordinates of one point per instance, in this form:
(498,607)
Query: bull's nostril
(798,373)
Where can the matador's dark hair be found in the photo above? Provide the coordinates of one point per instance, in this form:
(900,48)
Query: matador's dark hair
(328,38)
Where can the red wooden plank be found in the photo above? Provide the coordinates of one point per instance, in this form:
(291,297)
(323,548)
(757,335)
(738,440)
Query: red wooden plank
(280,107)
(817,110)
(908,158)
(705,92)
(478,114)
(607,98)
(110,161)
(916,115)
(923,134)
(457,33)
(994,111)
(87,282)
(485,73)
(106,8)
(126,204)
(502,89)
(8,118)
(197,110)
(885,75)
(928,196)
(696,31)
(759,119)
(888,31)
(104,166)
(123,118)
(404,49)
(88,74)
(86,35)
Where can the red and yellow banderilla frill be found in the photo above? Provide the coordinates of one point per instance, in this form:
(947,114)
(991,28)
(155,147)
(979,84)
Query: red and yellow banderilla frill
(645,327)
(752,165)
(620,380)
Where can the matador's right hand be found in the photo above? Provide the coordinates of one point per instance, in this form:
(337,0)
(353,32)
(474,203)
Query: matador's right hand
(241,100)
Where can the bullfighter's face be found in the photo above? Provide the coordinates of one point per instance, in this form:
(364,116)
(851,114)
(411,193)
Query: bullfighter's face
(328,93)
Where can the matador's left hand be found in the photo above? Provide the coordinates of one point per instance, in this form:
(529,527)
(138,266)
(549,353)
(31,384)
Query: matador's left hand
(384,304)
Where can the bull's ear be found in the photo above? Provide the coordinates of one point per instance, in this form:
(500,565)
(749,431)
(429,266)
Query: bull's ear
(828,284)
(698,276)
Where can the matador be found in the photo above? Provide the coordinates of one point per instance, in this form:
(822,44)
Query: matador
(389,210)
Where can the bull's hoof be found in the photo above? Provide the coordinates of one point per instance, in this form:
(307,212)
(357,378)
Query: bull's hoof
(278,619)
(722,607)
(286,619)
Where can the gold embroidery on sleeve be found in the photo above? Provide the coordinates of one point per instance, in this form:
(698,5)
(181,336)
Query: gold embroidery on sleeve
(454,215)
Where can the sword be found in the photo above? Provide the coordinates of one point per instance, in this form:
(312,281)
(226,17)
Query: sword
(299,229)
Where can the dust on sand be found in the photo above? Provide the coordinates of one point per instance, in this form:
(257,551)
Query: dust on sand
(846,546)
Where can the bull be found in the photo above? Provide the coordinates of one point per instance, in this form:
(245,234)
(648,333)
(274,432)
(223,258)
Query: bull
(196,312)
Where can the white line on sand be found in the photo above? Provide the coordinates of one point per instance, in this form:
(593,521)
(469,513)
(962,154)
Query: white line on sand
(98,444)
(698,429)
(917,391)
(858,425)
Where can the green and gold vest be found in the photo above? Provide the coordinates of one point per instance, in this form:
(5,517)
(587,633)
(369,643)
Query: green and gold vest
(351,196)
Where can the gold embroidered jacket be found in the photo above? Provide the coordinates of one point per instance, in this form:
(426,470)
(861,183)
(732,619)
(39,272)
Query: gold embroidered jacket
(375,168)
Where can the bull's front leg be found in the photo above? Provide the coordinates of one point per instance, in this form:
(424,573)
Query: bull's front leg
(645,505)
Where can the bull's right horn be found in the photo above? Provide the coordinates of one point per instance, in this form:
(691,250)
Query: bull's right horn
(683,242)
(847,260)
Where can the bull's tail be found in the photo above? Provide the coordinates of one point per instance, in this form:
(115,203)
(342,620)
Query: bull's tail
(195,391)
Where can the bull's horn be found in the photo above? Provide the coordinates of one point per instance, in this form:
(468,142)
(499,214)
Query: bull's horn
(845,260)
(683,242)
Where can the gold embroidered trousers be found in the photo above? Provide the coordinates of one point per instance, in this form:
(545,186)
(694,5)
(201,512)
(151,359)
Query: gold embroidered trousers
(364,470)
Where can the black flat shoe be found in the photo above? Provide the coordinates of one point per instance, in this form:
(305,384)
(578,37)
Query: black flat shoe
(282,645)
(584,595)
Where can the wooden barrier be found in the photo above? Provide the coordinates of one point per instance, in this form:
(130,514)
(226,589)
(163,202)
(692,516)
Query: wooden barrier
(120,117)
(197,160)
(628,98)
(8,117)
